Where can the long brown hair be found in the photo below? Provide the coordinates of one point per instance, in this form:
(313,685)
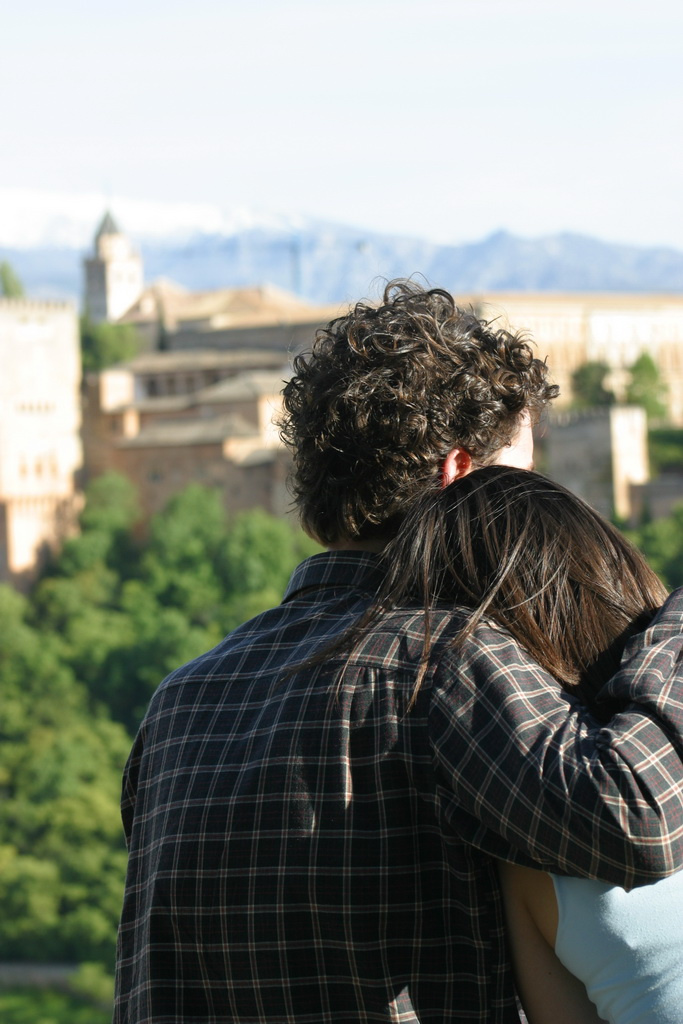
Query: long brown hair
(524,552)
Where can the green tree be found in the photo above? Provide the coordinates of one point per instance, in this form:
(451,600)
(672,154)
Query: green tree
(647,388)
(184,548)
(588,386)
(49,1006)
(104,344)
(666,449)
(10,285)
(661,541)
(256,562)
(106,536)
(78,600)
(62,859)
(111,504)
(159,639)
(122,615)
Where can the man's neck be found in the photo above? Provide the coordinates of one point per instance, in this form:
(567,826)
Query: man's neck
(372,546)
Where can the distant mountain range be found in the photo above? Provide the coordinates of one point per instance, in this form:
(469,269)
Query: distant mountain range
(330,263)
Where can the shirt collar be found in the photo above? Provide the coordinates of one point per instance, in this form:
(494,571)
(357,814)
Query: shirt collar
(359,570)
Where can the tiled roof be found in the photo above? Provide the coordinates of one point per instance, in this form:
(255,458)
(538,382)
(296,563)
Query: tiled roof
(203,359)
(176,433)
(224,307)
(244,386)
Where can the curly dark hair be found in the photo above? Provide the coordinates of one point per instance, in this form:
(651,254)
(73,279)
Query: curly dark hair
(386,393)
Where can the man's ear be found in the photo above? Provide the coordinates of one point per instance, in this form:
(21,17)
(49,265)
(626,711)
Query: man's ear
(457,463)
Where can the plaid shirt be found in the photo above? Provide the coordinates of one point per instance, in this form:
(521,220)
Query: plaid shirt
(309,851)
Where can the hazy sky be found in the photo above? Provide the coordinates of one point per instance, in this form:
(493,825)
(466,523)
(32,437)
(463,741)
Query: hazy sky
(440,119)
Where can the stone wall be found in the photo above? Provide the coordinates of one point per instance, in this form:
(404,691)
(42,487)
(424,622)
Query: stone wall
(600,454)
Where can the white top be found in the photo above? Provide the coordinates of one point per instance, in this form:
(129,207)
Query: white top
(626,947)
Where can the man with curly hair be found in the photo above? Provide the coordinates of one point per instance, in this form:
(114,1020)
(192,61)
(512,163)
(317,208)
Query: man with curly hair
(397,396)
(313,842)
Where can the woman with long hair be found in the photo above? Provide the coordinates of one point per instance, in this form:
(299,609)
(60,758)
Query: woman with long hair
(526,555)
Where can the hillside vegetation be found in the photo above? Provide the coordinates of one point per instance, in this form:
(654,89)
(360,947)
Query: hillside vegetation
(79,660)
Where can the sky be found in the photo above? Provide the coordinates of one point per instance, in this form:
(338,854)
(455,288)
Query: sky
(441,119)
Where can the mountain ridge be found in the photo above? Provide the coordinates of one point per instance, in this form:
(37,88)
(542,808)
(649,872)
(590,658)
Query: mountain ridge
(329,263)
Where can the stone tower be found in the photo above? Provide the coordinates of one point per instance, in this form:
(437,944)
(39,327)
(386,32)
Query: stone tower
(40,445)
(113,274)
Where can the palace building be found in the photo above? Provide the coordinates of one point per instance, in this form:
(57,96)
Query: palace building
(572,329)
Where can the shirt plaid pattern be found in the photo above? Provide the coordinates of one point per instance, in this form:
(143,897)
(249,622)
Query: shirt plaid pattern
(308,850)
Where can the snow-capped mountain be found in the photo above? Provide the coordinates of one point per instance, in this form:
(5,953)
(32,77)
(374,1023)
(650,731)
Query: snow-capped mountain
(45,236)
(32,219)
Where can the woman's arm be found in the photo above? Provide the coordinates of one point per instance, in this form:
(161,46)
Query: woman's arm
(525,767)
(548,992)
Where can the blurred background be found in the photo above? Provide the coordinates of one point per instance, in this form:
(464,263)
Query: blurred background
(186,193)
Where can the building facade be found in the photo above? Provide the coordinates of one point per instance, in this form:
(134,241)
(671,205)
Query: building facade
(572,329)
(168,419)
(261,317)
(40,446)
